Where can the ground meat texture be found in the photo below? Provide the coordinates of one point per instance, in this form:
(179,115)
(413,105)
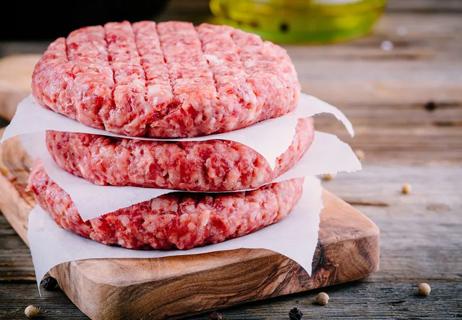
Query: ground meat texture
(178,220)
(170,79)
(212,165)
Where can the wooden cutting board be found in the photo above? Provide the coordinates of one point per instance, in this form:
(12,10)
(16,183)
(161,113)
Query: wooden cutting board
(172,287)
(348,249)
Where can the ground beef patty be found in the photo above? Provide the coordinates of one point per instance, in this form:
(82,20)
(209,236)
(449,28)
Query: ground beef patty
(179,220)
(170,79)
(212,165)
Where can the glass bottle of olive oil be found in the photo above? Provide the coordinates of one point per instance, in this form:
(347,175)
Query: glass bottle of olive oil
(288,21)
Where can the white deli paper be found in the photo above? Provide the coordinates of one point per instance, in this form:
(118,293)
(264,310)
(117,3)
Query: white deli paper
(327,154)
(295,237)
(270,138)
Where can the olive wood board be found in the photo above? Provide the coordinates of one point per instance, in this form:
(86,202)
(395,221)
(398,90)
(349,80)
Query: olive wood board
(174,287)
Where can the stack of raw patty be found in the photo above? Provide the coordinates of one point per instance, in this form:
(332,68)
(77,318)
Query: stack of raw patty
(169,80)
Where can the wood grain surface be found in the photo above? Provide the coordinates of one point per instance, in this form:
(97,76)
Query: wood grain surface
(348,250)
(15,72)
(406,106)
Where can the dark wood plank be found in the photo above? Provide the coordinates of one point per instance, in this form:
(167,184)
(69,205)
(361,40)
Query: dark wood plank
(420,232)
(360,300)
(15,296)
(15,260)
(106,288)
(425,6)
(384,93)
(423,226)
(430,217)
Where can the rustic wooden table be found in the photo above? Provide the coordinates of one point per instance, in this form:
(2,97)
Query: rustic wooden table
(406,105)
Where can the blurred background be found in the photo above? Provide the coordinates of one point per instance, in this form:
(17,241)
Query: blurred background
(394,68)
(277,20)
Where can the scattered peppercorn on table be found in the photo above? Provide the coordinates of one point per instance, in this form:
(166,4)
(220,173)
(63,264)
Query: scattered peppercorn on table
(402,88)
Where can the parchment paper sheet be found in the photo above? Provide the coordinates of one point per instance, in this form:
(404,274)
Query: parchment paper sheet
(327,154)
(295,237)
(270,138)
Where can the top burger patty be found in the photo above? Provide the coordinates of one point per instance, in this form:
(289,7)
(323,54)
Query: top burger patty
(169,79)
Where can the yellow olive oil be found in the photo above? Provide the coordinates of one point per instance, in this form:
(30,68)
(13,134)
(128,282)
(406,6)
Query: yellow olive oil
(290,21)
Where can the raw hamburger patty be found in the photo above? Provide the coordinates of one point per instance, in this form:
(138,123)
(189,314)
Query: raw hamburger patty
(213,165)
(179,220)
(170,79)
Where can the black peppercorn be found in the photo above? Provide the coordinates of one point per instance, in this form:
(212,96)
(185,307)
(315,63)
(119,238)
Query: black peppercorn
(430,106)
(295,314)
(49,283)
